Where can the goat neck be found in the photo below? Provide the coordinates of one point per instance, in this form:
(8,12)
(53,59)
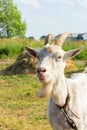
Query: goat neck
(60,91)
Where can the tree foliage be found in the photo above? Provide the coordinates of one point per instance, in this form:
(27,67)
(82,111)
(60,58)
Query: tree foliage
(11,23)
(43,37)
(31,38)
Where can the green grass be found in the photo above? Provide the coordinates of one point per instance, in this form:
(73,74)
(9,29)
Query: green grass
(13,47)
(20,107)
(75,44)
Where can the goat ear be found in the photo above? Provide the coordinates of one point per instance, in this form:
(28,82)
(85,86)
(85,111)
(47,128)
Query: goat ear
(31,51)
(72,53)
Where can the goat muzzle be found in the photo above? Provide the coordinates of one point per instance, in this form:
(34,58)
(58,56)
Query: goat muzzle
(41,70)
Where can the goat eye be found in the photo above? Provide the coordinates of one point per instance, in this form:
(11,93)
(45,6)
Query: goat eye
(59,57)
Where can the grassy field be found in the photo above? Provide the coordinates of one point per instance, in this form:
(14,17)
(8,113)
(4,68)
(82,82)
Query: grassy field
(20,107)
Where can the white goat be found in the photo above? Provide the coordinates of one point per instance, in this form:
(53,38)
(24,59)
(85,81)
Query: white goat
(68,101)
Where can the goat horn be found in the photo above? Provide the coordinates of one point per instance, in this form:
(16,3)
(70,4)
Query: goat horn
(61,38)
(48,38)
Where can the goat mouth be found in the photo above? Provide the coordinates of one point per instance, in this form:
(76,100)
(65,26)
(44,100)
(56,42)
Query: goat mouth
(43,77)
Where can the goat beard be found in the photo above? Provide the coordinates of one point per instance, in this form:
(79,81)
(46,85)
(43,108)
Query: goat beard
(45,90)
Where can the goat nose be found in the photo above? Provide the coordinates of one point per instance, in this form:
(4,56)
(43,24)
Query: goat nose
(41,70)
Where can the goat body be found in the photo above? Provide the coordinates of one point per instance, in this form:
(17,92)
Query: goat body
(77,88)
(50,71)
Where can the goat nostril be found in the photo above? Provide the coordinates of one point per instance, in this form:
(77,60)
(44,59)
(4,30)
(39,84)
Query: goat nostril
(41,70)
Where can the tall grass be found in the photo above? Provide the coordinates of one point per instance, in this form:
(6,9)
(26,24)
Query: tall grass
(76,44)
(10,49)
(13,47)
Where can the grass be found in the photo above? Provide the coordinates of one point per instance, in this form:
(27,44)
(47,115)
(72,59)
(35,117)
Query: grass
(75,44)
(13,47)
(20,107)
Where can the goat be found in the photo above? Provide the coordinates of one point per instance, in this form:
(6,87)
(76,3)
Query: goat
(68,96)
